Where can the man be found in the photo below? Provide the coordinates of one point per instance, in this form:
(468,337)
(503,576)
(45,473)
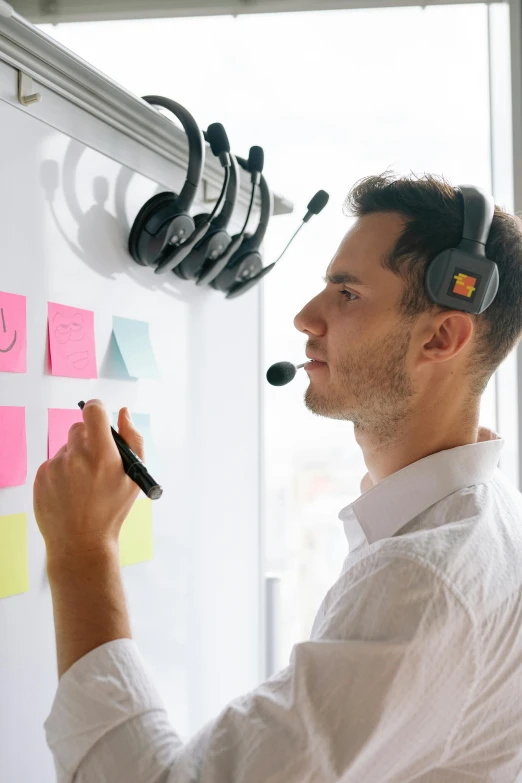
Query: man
(414,667)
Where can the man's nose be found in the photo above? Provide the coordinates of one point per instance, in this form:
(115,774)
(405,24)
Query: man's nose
(309,318)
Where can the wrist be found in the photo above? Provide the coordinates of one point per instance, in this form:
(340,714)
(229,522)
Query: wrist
(67,560)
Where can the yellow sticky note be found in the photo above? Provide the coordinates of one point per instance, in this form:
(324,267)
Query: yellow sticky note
(14,567)
(136,534)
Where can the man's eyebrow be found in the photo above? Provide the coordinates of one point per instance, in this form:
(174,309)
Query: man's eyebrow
(344,277)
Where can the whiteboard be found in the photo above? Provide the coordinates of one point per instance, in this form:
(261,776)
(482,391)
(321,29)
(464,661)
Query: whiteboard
(70,187)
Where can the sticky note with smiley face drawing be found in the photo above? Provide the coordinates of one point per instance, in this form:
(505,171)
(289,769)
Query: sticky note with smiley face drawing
(71,341)
(13,333)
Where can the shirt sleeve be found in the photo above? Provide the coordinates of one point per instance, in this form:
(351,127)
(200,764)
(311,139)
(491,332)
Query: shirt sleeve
(377,695)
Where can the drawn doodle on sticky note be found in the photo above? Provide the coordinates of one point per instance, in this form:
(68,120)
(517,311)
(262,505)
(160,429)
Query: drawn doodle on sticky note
(72,349)
(71,330)
(13,333)
(4,329)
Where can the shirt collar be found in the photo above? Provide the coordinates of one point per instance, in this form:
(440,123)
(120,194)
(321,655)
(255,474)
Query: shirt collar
(385,508)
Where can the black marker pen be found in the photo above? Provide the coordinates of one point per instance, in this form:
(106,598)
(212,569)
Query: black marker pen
(134,467)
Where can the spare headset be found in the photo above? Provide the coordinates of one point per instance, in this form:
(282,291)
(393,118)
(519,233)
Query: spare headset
(246,262)
(213,267)
(163,220)
(216,239)
(462,277)
(157,234)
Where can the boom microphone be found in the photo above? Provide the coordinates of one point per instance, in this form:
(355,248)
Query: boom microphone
(316,204)
(256,161)
(281,373)
(219,143)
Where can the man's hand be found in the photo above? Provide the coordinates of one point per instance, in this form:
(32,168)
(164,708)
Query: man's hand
(82,496)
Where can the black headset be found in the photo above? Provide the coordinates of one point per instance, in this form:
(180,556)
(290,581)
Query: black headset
(246,263)
(163,221)
(462,277)
(216,239)
(212,267)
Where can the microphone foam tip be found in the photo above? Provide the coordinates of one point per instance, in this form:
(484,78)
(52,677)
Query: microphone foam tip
(318,202)
(217,138)
(256,159)
(281,373)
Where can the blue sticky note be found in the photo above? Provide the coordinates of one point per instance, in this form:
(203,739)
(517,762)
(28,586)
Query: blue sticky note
(142,423)
(135,347)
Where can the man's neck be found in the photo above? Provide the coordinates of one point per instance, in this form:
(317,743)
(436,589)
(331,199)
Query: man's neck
(421,436)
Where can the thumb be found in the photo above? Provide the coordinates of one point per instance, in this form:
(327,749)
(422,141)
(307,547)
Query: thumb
(130,434)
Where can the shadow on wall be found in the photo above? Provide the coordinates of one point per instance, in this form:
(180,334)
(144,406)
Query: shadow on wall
(101,236)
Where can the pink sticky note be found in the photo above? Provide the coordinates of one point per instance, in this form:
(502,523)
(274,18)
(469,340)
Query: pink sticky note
(71,341)
(13,448)
(60,421)
(13,333)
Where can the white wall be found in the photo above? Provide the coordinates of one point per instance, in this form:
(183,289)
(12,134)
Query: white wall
(195,607)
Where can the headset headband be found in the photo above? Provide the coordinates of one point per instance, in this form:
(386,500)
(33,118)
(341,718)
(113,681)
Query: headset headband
(223,219)
(267,204)
(196,148)
(479,208)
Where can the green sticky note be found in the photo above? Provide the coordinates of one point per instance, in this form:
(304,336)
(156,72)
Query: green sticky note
(136,534)
(14,567)
(133,341)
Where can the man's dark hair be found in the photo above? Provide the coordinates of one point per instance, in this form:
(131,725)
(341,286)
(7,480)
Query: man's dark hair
(434,213)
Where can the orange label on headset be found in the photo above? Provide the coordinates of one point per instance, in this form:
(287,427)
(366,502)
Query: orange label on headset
(465,285)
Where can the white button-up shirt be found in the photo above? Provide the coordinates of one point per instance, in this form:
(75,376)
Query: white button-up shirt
(413,671)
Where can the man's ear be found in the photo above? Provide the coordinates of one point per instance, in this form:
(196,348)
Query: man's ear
(451,332)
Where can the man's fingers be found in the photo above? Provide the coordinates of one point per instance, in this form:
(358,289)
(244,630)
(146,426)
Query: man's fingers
(61,452)
(77,437)
(130,434)
(98,428)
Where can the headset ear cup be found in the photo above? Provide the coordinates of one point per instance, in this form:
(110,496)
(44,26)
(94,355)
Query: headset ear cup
(143,244)
(225,278)
(251,266)
(235,256)
(192,264)
(184,270)
(240,270)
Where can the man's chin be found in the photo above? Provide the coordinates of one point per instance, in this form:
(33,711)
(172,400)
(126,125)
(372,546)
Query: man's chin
(324,405)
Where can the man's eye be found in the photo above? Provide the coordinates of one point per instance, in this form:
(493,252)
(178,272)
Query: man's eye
(348,294)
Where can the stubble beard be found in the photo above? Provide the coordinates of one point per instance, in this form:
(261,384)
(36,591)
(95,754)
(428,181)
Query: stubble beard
(372,389)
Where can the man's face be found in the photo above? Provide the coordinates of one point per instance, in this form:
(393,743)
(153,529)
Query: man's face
(359,334)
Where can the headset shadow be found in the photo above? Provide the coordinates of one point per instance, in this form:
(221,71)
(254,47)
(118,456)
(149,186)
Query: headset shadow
(100,236)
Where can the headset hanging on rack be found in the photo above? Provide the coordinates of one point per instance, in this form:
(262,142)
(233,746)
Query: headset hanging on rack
(214,267)
(163,233)
(164,236)
(246,261)
(164,218)
(216,239)
(316,204)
